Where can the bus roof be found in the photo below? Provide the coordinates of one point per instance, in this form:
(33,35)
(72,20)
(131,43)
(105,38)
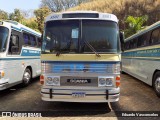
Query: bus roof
(19,27)
(82,15)
(149,28)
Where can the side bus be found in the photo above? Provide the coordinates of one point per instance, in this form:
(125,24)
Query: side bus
(141,56)
(81,57)
(19,54)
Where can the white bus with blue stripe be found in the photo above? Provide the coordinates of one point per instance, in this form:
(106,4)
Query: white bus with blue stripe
(141,56)
(19,54)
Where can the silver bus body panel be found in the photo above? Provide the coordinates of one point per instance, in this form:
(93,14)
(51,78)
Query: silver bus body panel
(93,93)
(140,68)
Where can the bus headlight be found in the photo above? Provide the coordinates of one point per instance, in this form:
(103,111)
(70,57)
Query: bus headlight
(109,82)
(55,81)
(102,82)
(105,81)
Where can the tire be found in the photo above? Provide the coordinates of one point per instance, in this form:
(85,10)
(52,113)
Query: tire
(156,83)
(26,77)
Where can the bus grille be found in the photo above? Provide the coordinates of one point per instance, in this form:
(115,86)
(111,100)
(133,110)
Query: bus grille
(101,67)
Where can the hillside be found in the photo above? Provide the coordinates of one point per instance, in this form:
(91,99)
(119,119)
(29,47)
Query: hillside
(124,8)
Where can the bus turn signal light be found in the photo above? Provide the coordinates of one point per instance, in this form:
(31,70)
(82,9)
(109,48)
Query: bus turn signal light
(2,74)
(118,78)
(42,79)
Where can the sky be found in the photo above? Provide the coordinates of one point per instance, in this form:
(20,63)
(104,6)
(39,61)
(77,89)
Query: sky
(10,5)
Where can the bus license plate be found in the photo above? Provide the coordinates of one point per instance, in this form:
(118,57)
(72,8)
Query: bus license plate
(78,94)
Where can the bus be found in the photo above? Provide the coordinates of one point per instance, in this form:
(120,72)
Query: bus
(80,57)
(19,54)
(141,56)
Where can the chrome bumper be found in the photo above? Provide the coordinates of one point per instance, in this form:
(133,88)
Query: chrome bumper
(91,95)
(3,86)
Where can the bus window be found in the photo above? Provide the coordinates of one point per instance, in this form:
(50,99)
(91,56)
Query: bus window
(143,40)
(26,39)
(135,43)
(155,37)
(3,38)
(131,45)
(39,42)
(32,41)
(127,45)
(14,44)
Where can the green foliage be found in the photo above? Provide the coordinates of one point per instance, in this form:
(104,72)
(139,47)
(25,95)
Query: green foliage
(16,16)
(31,23)
(3,15)
(135,24)
(40,14)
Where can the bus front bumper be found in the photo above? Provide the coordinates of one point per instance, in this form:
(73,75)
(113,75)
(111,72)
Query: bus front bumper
(86,95)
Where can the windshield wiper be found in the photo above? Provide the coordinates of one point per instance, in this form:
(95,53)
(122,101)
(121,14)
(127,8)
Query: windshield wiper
(92,48)
(61,51)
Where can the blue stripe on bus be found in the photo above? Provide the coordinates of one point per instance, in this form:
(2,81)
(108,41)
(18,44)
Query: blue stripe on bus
(31,32)
(143,53)
(25,30)
(18,58)
(26,52)
(81,66)
(150,59)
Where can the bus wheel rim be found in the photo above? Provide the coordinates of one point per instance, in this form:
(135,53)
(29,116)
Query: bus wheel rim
(27,77)
(157,84)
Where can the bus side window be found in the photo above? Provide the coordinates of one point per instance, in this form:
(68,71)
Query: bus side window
(26,39)
(131,44)
(155,37)
(127,44)
(32,41)
(39,42)
(135,43)
(140,41)
(14,44)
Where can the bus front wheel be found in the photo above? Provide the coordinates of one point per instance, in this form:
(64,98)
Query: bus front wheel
(26,77)
(156,83)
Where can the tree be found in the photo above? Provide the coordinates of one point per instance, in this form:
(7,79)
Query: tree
(59,5)
(40,14)
(16,16)
(135,24)
(31,23)
(3,15)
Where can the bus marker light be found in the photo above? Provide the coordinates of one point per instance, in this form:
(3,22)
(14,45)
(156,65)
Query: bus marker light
(2,74)
(42,79)
(118,81)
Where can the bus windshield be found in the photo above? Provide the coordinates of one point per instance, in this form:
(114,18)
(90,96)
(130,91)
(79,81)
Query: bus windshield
(3,38)
(71,36)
